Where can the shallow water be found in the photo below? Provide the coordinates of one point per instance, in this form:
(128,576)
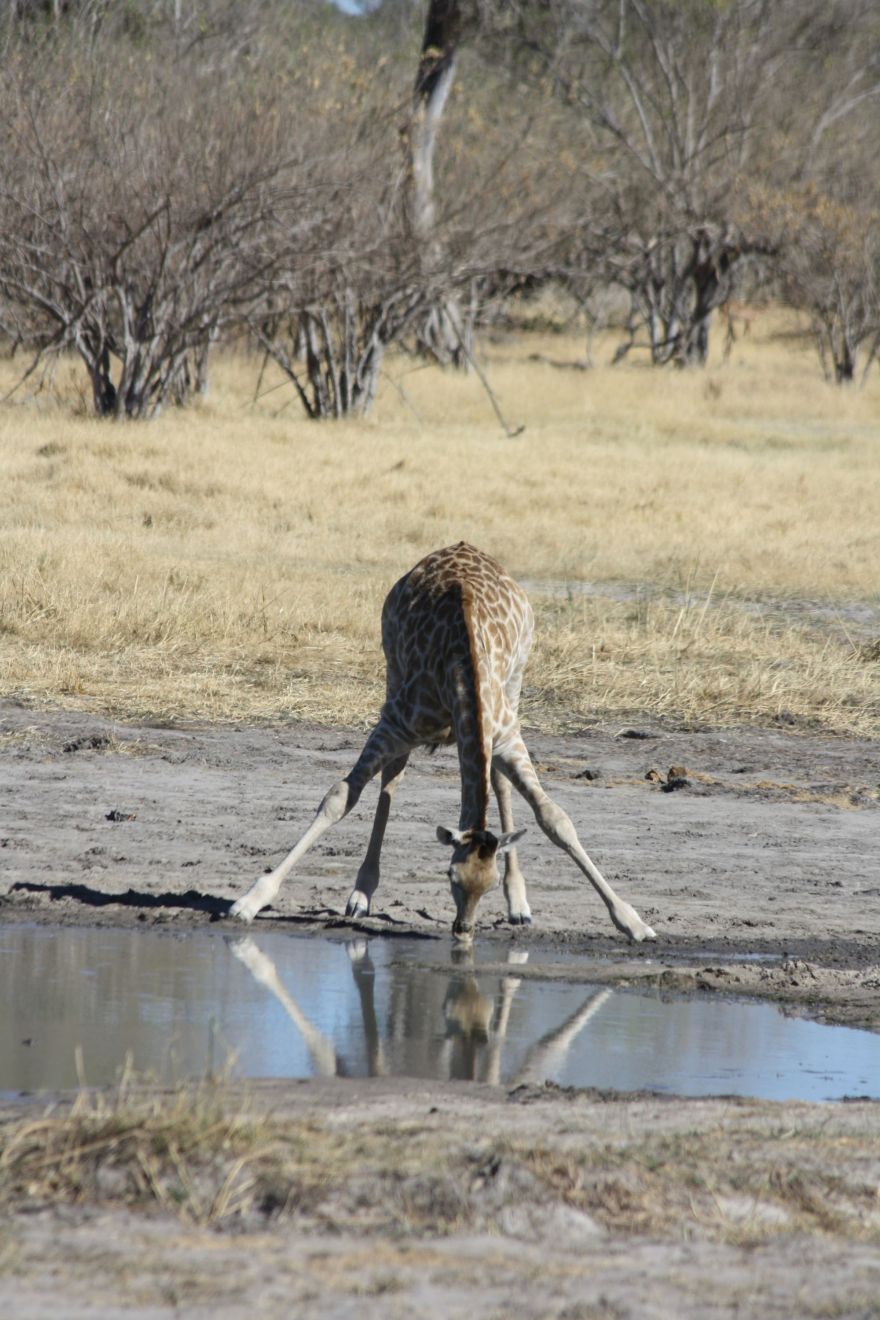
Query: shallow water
(76,1003)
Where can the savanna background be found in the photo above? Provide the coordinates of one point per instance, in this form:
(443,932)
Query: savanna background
(701,547)
(291,294)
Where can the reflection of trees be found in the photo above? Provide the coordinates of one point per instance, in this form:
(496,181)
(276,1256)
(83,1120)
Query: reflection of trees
(475,1024)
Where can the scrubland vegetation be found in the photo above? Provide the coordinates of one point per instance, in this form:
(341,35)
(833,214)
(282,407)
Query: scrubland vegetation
(332,186)
(208,1156)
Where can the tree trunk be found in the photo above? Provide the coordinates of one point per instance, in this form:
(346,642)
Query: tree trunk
(844,363)
(444,333)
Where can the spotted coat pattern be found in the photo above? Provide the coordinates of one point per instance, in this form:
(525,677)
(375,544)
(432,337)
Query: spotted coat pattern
(456,631)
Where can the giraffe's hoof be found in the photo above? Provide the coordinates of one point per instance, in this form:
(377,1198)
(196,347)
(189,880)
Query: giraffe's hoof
(244,909)
(246,951)
(358,905)
(520,918)
(628,922)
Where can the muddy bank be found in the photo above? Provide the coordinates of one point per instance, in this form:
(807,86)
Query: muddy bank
(753,853)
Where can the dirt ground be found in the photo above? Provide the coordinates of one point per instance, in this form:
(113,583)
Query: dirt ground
(766,844)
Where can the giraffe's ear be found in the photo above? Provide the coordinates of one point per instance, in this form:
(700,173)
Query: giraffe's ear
(449,837)
(506,842)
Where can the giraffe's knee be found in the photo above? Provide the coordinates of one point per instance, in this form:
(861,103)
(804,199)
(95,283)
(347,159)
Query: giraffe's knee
(557,824)
(338,802)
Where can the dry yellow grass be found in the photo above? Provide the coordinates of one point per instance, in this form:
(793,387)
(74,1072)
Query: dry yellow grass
(231,560)
(208,1155)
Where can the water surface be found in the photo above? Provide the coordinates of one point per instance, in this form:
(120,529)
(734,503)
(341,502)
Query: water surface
(76,1003)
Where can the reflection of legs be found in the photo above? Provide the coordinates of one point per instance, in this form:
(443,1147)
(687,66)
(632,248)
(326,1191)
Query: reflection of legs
(365,980)
(518,911)
(548,1054)
(514,761)
(262,968)
(381,747)
(321,1049)
(368,875)
(503,1005)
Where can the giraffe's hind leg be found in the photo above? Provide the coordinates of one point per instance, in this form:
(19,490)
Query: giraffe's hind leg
(518,910)
(368,875)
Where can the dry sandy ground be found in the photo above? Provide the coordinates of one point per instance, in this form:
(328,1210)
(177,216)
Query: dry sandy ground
(449,1201)
(769,847)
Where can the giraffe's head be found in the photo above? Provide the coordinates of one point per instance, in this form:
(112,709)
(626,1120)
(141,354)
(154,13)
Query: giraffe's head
(473,870)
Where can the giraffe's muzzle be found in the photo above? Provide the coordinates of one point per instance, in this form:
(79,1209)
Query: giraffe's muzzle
(463,930)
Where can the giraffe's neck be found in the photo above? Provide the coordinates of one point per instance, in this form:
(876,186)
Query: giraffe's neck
(472,738)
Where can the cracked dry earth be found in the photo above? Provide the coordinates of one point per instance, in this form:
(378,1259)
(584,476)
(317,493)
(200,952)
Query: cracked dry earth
(458,1199)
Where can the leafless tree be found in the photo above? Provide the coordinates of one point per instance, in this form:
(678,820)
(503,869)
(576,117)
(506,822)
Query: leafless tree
(132,217)
(829,267)
(411,248)
(686,105)
(671,92)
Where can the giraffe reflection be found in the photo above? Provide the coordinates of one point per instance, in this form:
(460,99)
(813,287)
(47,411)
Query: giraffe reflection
(322,1052)
(475,1024)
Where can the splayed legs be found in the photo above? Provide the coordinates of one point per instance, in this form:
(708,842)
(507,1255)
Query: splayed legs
(518,910)
(382,747)
(513,760)
(368,876)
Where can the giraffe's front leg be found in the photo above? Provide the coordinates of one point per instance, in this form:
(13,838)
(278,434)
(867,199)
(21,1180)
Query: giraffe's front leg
(338,802)
(382,747)
(368,876)
(514,761)
(518,911)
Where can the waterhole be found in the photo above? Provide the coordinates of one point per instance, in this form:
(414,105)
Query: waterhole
(79,1004)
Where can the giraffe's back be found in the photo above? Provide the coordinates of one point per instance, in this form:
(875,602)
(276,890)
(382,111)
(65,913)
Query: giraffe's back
(457,611)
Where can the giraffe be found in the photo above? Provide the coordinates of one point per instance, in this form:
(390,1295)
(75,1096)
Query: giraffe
(456,632)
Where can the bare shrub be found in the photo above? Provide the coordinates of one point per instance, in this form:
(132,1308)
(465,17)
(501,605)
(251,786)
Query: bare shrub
(395,263)
(131,211)
(829,267)
(341,275)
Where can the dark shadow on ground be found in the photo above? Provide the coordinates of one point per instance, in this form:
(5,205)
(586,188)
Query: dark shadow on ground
(215,908)
(191,901)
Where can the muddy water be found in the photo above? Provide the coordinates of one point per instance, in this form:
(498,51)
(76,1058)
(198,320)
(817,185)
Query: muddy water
(75,1004)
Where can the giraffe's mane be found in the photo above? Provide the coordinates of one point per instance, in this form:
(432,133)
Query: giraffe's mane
(468,614)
